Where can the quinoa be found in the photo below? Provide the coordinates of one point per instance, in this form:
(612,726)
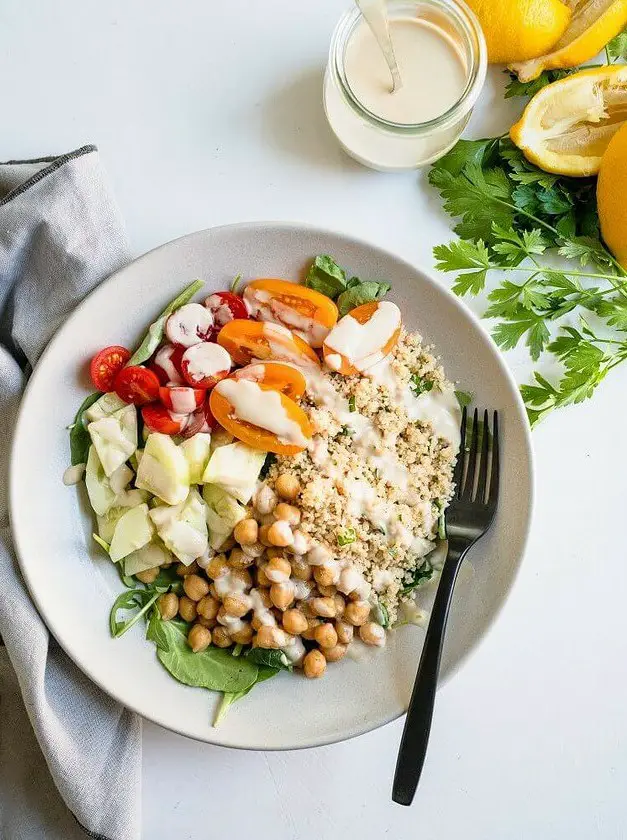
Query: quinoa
(382,520)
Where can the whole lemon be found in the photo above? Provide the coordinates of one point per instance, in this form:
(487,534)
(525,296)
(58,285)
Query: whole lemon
(611,192)
(517,30)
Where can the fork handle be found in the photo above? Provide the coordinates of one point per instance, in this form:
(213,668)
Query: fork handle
(415,738)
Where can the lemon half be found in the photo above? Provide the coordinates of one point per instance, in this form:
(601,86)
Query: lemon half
(611,192)
(568,125)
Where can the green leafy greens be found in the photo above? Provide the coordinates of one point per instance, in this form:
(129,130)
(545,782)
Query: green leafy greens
(79,436)
(418,577)
(327,277)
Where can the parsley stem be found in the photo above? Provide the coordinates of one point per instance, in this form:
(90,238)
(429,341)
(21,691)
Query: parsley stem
(127,625)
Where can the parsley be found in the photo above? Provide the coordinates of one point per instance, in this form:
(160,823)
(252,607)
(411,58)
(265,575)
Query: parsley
(617,47)
(351,403)
(516,88)
(346,537)
(464,398)
(328,278)
(422,574)
(420,385)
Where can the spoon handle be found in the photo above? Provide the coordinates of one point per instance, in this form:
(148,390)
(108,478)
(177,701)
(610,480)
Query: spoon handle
(375,15)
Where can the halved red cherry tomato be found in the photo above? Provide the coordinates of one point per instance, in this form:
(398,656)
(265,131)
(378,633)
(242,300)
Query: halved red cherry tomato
(225,306)
(366,348)
(276,375)
(180,399)
(308,313)
(106,365)
(157,418)
(196,422)
(137,385)
(205,364)
(190,324)
(209,418)
(247,431)
(248,340)
(167,364)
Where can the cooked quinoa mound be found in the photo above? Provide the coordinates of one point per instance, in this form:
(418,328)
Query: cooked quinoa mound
(382,520)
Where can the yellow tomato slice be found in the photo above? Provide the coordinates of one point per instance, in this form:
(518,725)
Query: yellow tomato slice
(247,340)
(276,375)
(306,312)
(347,365)
(256,436)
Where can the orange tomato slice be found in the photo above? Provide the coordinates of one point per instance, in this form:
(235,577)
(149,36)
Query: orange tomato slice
(293,420)
(276,375)
(310,314)
(365,353)
(247,340)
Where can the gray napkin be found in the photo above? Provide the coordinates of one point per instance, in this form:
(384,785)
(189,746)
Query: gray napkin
(60,235)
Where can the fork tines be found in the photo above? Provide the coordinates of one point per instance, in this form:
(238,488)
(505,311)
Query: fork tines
(476,473)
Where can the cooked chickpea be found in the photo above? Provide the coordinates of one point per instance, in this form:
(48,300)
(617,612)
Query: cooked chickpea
(372,634)
(148,575)
(195,587)
(282,594)
(314,664)
(318,555)
(327,575)
(287,486)
(206,558)
(280,533)
(278,569)
(246,532)
(301,543)
(238,559)
(263,535)
(340,605)
(325,635)
(262,577)
(244,635)
(265,499)
(243,576)
(221,638)
(302,589)
(334,654)
(345,632)
(213,591)
(323,606)
(294,622)
(312,623)
(237,605)
(301,569)
(206,622)
(255,550)
(217,566)
(271,637)
(182,570)
(187,608)
(327,591)
(357,612)
(208,607)
(168,605)
(287,513)
(199,638)
(228,544)
(275,551)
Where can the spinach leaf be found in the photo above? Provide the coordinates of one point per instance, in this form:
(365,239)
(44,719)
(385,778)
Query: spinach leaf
(137,601)
(167,580)
(79,436)
(326,276)
(230,697)
(360,293)
(213,668)
(417,577)
(155,631)
(153,337)
(271,658)
(270,459)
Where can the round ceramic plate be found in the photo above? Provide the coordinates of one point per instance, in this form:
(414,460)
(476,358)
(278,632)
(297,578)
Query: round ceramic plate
(74,584)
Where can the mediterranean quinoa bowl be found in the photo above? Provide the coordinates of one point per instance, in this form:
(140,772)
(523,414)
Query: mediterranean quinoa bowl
(269,472)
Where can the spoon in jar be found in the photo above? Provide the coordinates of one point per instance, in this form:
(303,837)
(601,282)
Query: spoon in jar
(375,15)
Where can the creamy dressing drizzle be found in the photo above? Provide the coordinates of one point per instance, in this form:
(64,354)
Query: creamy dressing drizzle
(206,359)
(74,474)
(265,307)
(360,344)
(262,408)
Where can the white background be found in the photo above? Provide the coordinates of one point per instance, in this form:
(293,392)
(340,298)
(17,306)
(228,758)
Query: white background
(207,112)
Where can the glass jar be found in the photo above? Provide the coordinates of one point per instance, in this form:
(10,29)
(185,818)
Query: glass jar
(389,146)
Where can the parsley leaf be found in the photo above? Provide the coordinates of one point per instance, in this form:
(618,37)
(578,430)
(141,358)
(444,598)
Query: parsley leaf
(326,276)
(617,47)
(419,385)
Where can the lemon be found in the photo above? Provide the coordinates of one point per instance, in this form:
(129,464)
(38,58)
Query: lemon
(568,125)
(592,25)
(611,192)
(516,30)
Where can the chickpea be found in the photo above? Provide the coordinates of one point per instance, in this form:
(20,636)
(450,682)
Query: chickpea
(287,486)
(327,575)
(302,589)
(314,664)
(271,637)
(282,594)
(340,605)
(357,612)
(325,635)
(244,635)
(255,550)
(246,532)
(312,623)
(213,591)
(301,543)
(210,623)
(350,580)
(199,638)
(237,605)
(263,535)
(221,637)
(243,576)
(208,607)
(344,632)
(238,559)
(182,570)
(280,533)
(217,566)
(278,569)
(301,569)
(265,499)
(287,513)
(195,587)
(294,622)
(327,591)
(335,653)
(148,575)
(168,605)
(372,634)
(324,607)
(264,597)
(187,608)
(318,555)
(262,577)
(206,558)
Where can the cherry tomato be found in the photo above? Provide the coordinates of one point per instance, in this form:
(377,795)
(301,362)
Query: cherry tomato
(225,306)
(310,314)
(180,399)
(256,436)
(167,364)
(196,422)
(248,340)
(211,421)
(106,365)
(276,375)
(366,353)
(205,364)
(189,325)
(137,385)
(157,418)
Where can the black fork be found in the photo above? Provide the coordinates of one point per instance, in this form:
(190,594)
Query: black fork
(468,517)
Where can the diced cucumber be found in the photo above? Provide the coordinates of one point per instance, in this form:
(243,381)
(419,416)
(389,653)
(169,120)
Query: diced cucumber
(101,496)
(133,530)
(163,470)
(126,500)
(103,407)
(136,458)
(147,557)
(235,468)
(183,527)
(115,437)
(196,450)
(223,512)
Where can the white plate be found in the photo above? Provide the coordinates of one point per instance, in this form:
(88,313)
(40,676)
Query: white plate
(73,584)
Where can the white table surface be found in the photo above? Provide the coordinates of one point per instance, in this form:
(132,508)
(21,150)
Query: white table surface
(209,112)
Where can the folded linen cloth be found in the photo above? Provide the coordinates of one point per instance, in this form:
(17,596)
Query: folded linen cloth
(60,235)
